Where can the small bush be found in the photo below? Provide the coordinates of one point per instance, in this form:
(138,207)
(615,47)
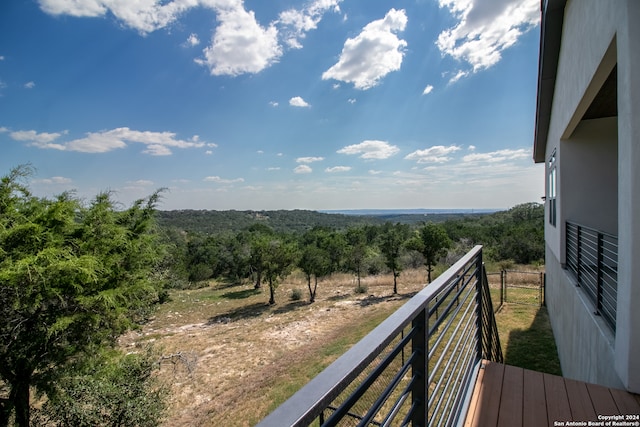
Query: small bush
(296,295)
(361,289)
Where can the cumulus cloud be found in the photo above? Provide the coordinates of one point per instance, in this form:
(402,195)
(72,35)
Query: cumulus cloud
(240,44)
(309,159)
(297,101)
(303,169)
(29,85)
(435,154)
(427,90)
(144,16)
(371,149)
(485,29)
(192,40)
(498,156)
(372,54)
(296,23)
(157,143)
(273,103)
(219,180)
(336,169)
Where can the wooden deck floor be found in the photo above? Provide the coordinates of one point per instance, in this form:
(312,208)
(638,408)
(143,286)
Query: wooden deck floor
(508,396)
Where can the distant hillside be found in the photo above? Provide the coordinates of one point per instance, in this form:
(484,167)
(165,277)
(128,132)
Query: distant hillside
(215,222)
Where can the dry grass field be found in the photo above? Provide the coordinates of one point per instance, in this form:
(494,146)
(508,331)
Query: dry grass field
(229,358)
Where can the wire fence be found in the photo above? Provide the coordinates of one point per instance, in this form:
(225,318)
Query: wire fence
(516,287)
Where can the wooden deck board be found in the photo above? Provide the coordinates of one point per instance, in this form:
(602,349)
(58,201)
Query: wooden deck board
(535,404)
(579,400)
(513,381)
(489,402)
(509,396)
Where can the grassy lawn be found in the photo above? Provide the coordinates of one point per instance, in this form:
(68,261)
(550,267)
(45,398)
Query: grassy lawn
(527,339)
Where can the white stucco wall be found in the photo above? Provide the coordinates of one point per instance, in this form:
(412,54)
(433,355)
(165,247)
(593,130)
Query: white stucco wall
(590,172)
(627,345)
(596,34)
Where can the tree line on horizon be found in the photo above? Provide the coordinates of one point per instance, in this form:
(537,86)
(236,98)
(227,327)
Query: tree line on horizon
(260,253)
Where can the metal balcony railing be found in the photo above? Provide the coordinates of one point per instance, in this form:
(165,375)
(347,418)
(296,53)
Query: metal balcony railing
(592,257)
(418,367)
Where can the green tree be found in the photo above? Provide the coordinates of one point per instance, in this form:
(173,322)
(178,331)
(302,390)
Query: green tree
(279,260)
(432,241)
(111,389)
(315,258)
(72,279)
(357,250)
(392,240)
(260,239)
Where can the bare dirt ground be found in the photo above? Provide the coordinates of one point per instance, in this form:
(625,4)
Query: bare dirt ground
(224,350)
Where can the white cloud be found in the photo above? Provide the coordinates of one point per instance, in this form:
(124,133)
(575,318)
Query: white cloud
(485,29)
(372,54)
(309,159)
(3,129)
(240,44)
(193,40)
(208,152)
(498,156)
(374,172)
(35,137)
(141,183)
(351,101)
(335,169)
(371,149)
(1,58)
(157,143)
(219,180)
(296,23)
(145,16)
(472,148)
(29,85)
(303,169)
(435,154)
(297,101)
(427,90)
(273,103)
(54,180)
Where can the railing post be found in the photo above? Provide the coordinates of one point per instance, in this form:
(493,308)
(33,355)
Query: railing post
(479,321)
(420,369)
(579,254)
(599,274)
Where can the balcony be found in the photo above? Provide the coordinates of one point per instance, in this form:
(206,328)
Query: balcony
(592,257)
(437,361)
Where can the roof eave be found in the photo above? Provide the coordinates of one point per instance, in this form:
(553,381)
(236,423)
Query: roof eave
(550,37)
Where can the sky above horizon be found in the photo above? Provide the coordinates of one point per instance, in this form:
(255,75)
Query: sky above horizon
(281,104)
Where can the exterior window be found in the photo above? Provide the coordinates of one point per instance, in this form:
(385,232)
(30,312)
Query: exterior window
(552,183)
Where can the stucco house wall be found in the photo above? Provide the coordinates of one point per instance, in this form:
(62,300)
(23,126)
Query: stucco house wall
(598,183)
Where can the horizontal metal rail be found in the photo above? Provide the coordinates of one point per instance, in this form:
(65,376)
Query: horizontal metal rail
(416,368)
(592,257)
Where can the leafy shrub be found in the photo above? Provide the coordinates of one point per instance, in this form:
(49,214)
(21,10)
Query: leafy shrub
(361,289)
(296,295)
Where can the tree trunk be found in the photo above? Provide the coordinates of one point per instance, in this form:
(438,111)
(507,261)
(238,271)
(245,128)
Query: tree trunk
(272,294)
(19,397)
(313,294)
(258,284)
(429,270)
(395,282)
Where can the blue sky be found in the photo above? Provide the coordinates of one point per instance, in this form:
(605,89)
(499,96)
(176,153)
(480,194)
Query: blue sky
(280,104)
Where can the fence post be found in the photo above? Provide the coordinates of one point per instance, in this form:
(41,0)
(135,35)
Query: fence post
(501,288)
(541,287)
(505,285)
